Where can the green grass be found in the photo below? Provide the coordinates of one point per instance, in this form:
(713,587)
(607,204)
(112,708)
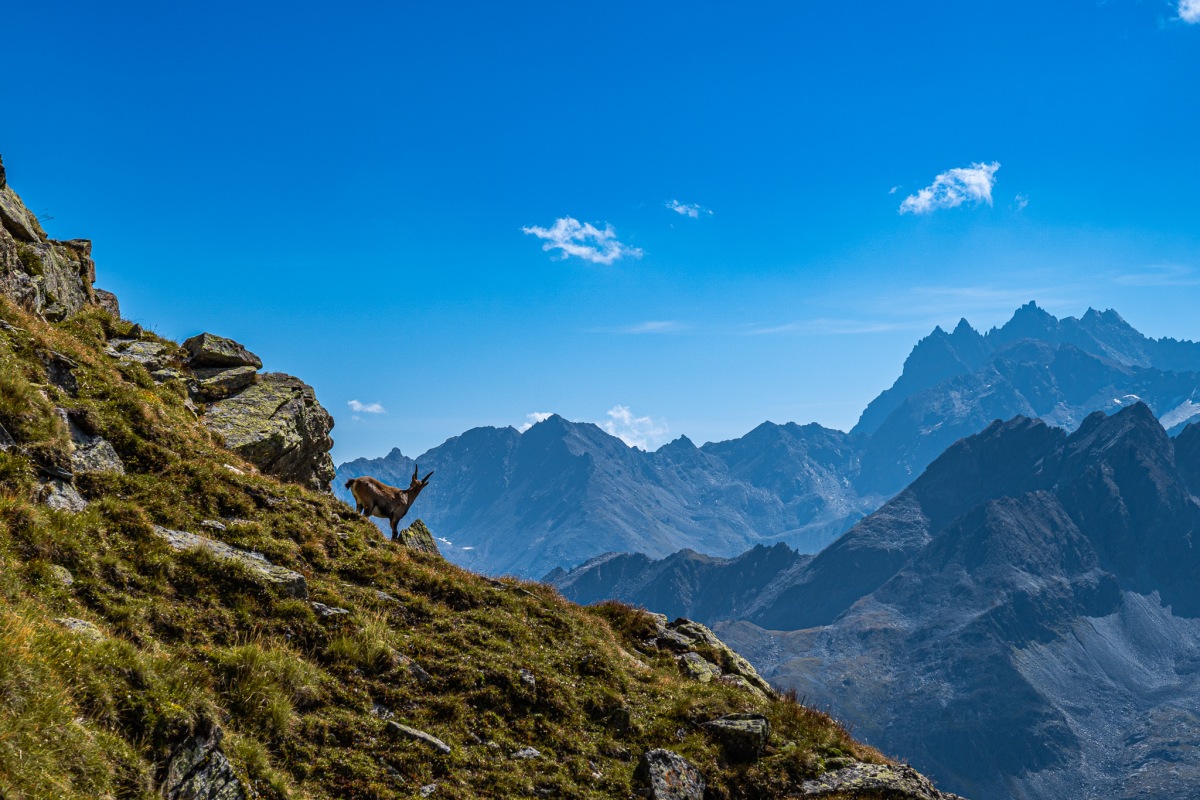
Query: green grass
(191,640)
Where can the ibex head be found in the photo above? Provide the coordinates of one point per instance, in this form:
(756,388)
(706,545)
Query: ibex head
(417,483)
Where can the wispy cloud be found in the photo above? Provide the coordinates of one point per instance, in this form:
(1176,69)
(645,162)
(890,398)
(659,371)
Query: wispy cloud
(583,240)
(650,326)
(893,190)
(1189,11)
(953,188)
(1159,275)
(829,326)
(1020,202)
(693,210)
(533,419)
(644,432)
(366,408)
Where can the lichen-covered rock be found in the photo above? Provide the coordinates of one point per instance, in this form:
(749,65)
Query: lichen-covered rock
(17,219)
(875,780)
(199,770)
(742,736)
(151,355)
(670,776)
(91,453)
(210,350)
(278,425)
(732,662)
(292,582)
(60,371)
(217,383)
(82,627)
(63,496)
(698,668)
(418,537)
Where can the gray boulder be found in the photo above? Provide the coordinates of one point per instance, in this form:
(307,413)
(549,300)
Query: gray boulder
(418,537)
(209,350)
(278,425)
(82,628)
(670,776)
(742,736)
(199,770)
(63,496)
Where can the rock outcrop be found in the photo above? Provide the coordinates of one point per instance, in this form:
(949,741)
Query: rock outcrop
(199,770)
(417,537)
(278,425)
(48,277)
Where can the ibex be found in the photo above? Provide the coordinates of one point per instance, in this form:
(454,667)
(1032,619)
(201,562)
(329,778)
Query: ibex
(374,498)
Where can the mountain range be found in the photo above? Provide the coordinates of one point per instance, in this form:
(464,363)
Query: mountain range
(563,492)
(1022,621)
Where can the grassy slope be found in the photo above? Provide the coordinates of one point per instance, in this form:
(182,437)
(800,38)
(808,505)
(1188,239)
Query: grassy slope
(192,641)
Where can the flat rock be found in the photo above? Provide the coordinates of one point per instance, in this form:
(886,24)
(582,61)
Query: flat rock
(526,753)
(742,736)
(209,350)
(421,737)
(292,582)
(278,425)
(329,611)
(217,383)
(82,627)
(670,776)
(885,780)
(154,356)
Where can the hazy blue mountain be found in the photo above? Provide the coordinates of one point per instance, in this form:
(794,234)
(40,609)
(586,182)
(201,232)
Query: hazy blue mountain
(562,492)
(1023,621)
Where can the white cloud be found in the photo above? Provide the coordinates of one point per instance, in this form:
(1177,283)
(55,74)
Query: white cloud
(893,190)
(583,240)
(643,432)
(534,419)
(1189,11)
(693,210)
(649,326)
(1022,200)
(1159,275)
(953,188)
(366,408)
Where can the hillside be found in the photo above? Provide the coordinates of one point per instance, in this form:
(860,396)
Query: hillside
(184,620)
(562,493)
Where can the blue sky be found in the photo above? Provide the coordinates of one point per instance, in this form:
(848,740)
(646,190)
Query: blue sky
(362,195)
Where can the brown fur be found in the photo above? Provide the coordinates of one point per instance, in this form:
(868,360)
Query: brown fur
(374,498)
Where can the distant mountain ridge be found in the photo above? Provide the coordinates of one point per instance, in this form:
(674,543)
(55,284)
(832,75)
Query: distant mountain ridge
(1022,621)
(564,492)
